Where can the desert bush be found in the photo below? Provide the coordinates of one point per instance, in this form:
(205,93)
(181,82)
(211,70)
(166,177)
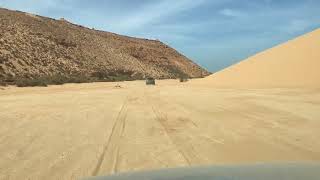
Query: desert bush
(115,76)
(2,83)
(23,82)
(56,80)
(99,76)
(50,80)
(79,79)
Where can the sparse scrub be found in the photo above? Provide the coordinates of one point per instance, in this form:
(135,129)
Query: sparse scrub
(115,76)
(32,82)
(2,83)
(50,80)
(99,76)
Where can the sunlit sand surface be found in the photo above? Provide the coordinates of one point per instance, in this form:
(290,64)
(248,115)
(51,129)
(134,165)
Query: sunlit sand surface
(81,130)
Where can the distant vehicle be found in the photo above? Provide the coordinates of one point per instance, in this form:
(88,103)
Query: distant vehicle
(150,81)
(183,79)
(238,172)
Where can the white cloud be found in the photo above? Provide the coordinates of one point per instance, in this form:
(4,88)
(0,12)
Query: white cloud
(231,13)
(154,12)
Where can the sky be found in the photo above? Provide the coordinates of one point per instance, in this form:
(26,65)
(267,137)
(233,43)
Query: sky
(213,33)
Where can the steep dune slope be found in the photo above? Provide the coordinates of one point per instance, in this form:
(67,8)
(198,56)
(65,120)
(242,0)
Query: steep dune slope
(33,46)
(292,64)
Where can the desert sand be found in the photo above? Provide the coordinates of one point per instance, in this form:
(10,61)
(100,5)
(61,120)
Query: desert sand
(292,64)
(263,110)
(81,130)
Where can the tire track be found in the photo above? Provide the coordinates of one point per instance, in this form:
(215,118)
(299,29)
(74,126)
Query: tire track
(183,145)
(110,152)
(162,120)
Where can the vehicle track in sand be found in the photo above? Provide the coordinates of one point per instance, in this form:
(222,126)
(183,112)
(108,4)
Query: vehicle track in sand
(79,130)
(185,148)
(110,152)
(162,121)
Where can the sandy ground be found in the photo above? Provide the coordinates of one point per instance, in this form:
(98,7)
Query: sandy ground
(73,131)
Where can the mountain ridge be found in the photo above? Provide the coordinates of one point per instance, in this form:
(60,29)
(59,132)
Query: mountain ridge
(35,46)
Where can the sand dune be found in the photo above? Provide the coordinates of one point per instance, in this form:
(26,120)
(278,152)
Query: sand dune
(292,64)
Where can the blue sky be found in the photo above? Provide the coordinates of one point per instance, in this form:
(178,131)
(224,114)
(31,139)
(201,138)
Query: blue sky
(213,33)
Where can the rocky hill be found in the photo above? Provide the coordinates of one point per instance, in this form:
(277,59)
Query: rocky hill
(32,46)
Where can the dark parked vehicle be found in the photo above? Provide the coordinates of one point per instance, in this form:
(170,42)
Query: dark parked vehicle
(150,81)
(183,79)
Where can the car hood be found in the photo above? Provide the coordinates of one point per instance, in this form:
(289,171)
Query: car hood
(292,171)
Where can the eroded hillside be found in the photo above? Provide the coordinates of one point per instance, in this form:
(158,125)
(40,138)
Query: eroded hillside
(33,46)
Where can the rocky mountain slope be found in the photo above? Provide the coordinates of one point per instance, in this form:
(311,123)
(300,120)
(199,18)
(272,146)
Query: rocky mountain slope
(32,46)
